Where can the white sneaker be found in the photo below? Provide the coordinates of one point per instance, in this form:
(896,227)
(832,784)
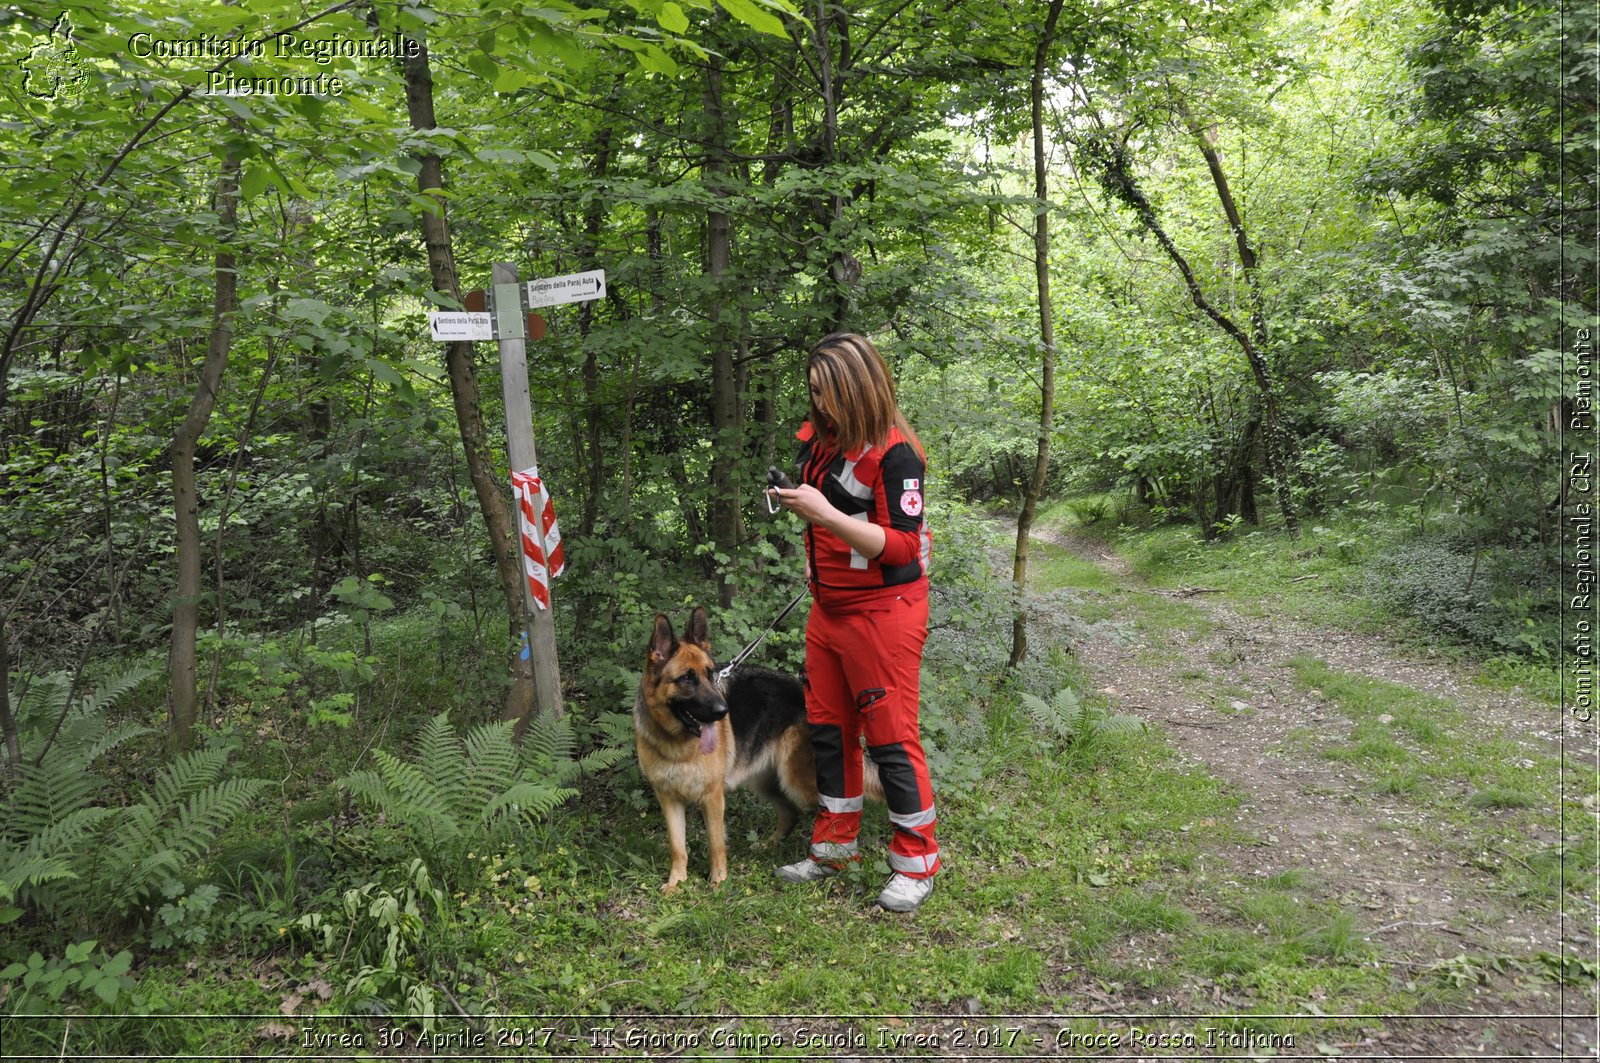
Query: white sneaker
(905,894)
(807,870)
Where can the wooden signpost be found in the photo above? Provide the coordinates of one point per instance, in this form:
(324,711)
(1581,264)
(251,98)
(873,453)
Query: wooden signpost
(520,449)
(502,315)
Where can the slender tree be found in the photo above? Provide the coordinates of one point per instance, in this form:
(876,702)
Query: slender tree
(1109,155)
(184,695)
(464,386)
(726,523)
(1047,334)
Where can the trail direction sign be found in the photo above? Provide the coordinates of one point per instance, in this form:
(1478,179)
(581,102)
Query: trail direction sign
(449,325)
(569,288)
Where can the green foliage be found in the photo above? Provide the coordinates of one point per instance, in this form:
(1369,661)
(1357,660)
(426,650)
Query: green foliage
(1075,724)
(44,985)
(382,934)
(186,918)
(1089,510)
(69,852)
(1568,969)
(478,791)
(1468,972)
(1419,245)
(1497,598)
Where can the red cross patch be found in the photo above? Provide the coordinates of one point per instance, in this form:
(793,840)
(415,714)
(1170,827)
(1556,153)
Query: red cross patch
(911,503)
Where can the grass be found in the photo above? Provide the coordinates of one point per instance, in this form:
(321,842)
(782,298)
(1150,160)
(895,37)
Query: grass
(1058,873)
(1069,876)
(1414,745)
(1424,748)
(1057,568)
(1310,578)
(1321,577)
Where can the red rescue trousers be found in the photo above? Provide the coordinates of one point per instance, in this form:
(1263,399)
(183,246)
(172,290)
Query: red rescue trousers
(862,672)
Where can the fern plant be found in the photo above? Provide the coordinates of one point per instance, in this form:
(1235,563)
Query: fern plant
(68,854)
(479,791)
(1074,724)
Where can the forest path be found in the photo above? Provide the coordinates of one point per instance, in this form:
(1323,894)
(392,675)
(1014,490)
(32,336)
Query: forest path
(1358,791)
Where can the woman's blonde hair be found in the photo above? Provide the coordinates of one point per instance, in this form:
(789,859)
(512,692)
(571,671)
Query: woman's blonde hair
(855,391)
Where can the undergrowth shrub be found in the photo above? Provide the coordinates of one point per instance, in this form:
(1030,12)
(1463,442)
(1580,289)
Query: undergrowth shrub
(1499,601)
(482,790)
(385,936)
(69,851)
(963,659)
(47,984)
(1090,509)
(1075,725)
(1165,551)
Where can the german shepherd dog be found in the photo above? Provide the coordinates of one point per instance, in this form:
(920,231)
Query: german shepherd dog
(697,741)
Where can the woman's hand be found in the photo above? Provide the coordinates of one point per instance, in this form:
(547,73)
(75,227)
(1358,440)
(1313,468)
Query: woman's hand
(806,502)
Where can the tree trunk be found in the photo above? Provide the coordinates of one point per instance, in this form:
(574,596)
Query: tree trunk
(594,216)
(1047,340)
(184,694)
(325,540)
(726,526)
(843,269)
(8,722)
(1279,446)
(464,392)
(1116,172)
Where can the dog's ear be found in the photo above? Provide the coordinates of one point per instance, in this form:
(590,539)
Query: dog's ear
(696,631)
(663,643)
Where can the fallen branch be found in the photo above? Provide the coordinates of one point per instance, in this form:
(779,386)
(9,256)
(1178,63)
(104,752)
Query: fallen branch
(1405,922)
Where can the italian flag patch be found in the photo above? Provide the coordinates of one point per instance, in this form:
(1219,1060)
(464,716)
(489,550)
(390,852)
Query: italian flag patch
(911,485)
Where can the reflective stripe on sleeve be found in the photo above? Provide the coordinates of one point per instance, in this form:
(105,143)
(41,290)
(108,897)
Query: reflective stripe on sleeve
(913,865)
(847,480)
(912,820)
(840,804)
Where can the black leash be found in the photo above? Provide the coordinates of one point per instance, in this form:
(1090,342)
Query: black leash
(739,658)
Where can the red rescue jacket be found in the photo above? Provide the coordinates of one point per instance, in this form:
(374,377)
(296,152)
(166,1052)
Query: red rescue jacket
(878,483)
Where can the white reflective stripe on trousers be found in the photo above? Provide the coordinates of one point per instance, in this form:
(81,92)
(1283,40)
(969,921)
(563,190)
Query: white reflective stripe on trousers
(913,820)
(914,865)
(840,804)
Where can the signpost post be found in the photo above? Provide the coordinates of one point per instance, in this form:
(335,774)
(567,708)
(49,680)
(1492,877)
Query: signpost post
(520,449)
(499,315)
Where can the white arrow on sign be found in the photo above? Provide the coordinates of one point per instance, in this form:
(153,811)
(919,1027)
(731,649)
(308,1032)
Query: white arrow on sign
(570,288)
(448,325)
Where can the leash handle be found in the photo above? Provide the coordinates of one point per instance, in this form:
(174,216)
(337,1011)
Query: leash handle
(739,658)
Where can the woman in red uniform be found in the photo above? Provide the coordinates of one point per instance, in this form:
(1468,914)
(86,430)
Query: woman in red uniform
(867,549)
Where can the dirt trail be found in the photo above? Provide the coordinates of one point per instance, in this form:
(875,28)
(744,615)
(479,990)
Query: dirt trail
(1223,693)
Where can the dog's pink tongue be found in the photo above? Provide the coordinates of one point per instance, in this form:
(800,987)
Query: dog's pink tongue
(708,738)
